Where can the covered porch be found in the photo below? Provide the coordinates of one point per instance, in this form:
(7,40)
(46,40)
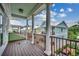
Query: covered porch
(34,44)
(26,11)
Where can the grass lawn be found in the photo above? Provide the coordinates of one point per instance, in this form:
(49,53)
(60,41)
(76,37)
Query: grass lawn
(14,36)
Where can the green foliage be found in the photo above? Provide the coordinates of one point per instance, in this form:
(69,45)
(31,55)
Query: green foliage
(14,31)
(72,47)
(73,32)
(58,51)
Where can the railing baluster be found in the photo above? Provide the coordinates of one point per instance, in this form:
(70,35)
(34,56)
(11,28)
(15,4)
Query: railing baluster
(75,47)
(59,47)
(54,44)
(62,46)
(51,47)
(66,47)
(44,43)
(70,47)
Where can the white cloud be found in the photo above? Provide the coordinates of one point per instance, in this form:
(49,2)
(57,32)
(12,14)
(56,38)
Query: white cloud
(52,19)
(44,19)
(42,16)
(15,22)
(62,10)
(53,5)
(69,9)
(62,15)
(55,9)
(53,13)
(43,12)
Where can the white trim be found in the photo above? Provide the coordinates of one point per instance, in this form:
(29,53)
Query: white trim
(26,29)
(48,28)
(32,29)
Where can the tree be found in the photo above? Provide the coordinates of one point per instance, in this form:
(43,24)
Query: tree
(73,32)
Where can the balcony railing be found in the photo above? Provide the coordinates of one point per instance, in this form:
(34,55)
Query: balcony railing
(40,40)
(59,46)
(29,36)
(62,46)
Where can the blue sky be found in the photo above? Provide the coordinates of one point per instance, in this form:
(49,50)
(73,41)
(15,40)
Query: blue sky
(67,12)
(60,11)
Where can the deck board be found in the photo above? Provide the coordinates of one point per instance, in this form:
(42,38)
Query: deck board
(23,48)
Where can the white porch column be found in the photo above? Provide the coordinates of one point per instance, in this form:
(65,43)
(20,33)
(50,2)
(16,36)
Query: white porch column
(19,29)
(32,29)
(6,20)
(5,31)
(5,23)
(26,29)
(48,40)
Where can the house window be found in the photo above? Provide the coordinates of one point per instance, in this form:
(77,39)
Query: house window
(1,30)
(62,36)
(62,29)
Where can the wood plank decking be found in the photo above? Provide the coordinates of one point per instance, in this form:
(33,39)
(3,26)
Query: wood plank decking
(22,48)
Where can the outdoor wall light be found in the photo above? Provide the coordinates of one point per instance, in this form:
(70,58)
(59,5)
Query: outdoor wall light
(20,10)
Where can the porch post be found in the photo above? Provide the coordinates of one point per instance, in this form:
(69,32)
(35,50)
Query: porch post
(19,29)
(6,21)
(5,30)
(26,29)
(32,29)
(48,40)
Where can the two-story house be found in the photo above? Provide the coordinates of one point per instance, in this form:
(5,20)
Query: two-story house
(58,29)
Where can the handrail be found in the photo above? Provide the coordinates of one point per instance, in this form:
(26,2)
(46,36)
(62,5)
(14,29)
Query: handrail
(52,36)
(40,34)
(64,38)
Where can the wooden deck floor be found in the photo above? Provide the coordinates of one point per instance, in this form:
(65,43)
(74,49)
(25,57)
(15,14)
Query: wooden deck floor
(22,48)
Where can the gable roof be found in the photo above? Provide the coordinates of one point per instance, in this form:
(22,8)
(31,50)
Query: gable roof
(54,23)
(61,23)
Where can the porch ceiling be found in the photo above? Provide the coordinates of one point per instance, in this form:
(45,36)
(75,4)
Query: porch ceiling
(28,9)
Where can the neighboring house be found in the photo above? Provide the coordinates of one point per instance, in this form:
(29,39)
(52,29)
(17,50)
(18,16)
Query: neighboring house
(58,29)
(14,28)
(20,29)
(37,29)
